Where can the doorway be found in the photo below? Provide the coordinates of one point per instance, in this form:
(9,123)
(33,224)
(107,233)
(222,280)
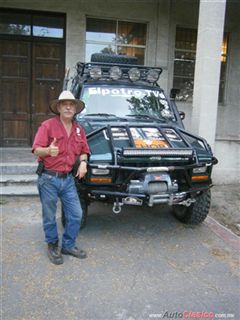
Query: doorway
(32,68)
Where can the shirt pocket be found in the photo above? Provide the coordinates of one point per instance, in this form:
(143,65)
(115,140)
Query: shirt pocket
(59,141)
(77,144)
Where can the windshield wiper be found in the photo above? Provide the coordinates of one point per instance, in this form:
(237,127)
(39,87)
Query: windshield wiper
(145,116)
(100,115)
(106,115)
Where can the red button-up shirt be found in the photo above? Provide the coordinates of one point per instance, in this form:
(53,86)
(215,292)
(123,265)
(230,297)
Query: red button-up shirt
(69,147)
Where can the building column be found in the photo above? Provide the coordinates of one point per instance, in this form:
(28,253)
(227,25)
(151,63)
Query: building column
(162,42)
(207,68)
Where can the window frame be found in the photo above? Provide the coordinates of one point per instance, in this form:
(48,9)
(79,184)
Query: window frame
(31,14)
(114,44)
(222,81)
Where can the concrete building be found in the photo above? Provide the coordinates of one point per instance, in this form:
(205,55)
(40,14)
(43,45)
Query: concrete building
(196,42)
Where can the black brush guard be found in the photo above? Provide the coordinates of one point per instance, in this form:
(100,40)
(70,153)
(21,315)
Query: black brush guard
(120,190)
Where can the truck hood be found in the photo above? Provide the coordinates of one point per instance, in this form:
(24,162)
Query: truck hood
(143,139)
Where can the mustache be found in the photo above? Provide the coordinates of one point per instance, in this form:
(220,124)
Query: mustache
(68,110)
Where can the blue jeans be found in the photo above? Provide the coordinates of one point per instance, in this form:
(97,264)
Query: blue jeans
(50,189)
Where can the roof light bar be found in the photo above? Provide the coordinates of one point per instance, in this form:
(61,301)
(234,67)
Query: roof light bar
(95,73)
(103,70)
(157,152)
(152,75)
(115,73)
(134,74)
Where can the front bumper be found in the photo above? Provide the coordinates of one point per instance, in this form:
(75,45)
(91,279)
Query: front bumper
(154,185)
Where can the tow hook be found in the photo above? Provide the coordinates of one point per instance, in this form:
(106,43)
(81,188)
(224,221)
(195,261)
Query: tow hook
(187,202)
(117,207)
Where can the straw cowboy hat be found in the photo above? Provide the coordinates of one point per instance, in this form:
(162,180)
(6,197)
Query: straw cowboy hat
(66,95)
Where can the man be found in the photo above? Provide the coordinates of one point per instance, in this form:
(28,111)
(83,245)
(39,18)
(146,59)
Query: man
(58,143)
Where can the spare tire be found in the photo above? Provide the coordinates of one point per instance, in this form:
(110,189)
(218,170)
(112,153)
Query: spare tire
(113,58)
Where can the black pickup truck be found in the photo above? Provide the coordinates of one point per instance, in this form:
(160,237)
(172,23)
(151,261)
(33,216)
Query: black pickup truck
(141,154)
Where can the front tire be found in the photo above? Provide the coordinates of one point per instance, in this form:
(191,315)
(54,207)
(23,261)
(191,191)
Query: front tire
(197,212)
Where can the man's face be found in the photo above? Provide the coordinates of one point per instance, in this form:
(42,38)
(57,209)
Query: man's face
(67,109)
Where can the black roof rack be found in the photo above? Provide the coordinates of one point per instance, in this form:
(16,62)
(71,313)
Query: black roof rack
(83,70)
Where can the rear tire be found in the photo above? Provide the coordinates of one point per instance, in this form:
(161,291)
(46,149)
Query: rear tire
(84,206)
(197,212)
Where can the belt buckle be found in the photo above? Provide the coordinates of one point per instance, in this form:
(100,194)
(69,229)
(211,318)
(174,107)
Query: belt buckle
(62,175)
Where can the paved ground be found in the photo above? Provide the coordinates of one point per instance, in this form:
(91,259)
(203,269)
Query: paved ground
(142,264)
(225,206)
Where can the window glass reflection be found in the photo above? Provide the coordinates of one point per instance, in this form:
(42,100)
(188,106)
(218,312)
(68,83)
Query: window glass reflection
(39,31)
(184,64)
(18,24)
(48,26)
(115,37)
(131,33)
(32,24)
(101,30)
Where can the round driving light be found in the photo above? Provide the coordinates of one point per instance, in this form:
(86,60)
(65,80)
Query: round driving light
(115,73)
(152,75)
(96,73)
(134,74)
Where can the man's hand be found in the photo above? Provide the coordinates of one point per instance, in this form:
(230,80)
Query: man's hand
(82,170)
(53,150)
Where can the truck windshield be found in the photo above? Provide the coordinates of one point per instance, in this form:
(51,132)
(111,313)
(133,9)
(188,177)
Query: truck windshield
(122,101)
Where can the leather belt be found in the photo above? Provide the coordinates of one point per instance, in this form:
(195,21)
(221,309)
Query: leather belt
(57,174)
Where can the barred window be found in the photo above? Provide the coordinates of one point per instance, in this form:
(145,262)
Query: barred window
(184,63)
(116,37)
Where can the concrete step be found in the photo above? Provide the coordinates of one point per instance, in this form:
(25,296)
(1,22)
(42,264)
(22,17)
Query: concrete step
(17,155)
(18,184)
(18,168)
(19,190)
(8,179)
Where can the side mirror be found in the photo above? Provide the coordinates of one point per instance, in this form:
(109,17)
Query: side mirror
(174,92)
(182,115)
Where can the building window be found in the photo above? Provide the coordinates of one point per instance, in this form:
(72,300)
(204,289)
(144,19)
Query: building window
(116,37)
(48,26)
(223,67)
(32,24)
(184,63)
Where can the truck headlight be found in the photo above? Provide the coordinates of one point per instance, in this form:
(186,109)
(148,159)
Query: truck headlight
(103,172)
(200,170)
